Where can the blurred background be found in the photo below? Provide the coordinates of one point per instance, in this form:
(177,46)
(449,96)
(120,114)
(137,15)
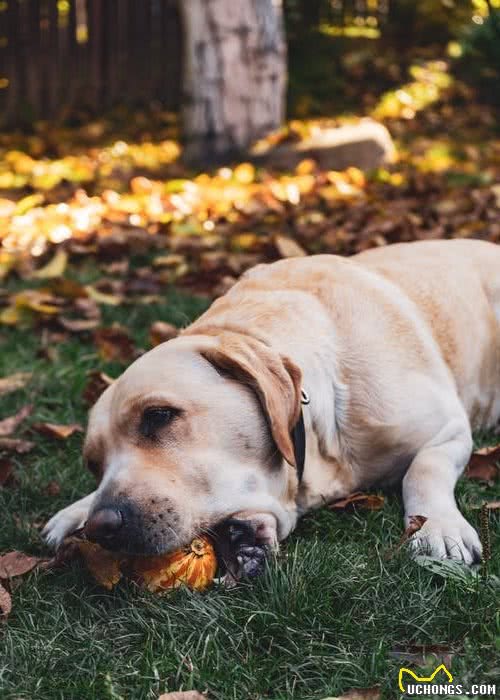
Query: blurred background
(230,132)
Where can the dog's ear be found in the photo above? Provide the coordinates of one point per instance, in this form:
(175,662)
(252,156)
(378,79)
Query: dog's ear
(275,379)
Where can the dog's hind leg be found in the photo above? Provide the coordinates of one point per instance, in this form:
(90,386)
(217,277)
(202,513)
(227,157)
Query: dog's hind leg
(428,490)
(67,521)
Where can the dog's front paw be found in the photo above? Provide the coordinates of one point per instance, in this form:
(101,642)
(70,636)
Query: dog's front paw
(65,522)
(447,536)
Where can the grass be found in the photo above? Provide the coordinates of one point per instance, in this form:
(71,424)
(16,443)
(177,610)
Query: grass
(328,615)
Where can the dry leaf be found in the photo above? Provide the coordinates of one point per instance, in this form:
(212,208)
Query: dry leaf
(5,602)
(102,298)
(102,564)
(55,267)
(415,524)
(366,501)
(8,425)
(483,464)
(288,248)
(54,430)
(161,331)
(17,564)
(14,382)
(359,694)
(183,695)
(15,445)
(96,384)
(6,470)
(419,654)
(78,325)
(53,488)
(115,343)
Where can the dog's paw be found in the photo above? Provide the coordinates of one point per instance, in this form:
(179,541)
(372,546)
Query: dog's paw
(448,537)
(63,524)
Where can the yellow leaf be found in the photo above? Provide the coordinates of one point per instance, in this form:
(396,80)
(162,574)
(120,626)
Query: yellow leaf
(54,268)
(27,203)
(288,248)
(244,173)
(101,298)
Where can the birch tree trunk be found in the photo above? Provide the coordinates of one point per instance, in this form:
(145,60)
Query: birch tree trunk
(234,74)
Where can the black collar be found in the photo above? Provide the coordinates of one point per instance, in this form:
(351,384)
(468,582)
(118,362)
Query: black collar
(299,440)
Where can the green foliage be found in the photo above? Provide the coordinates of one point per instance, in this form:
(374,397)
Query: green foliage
(480,60)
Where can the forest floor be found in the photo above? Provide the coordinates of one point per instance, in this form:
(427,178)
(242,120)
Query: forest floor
(102,228)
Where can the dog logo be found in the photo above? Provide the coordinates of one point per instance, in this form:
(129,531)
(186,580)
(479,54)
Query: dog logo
(422,679)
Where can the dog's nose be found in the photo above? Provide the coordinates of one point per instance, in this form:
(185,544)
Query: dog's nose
(103,525)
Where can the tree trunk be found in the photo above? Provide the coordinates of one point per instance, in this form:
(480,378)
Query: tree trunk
(234,74)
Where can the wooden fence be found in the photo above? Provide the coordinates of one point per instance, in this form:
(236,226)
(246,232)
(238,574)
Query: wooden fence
(59,54)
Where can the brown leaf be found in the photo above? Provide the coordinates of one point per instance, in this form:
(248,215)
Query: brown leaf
(483,464)
(493,505)
(419,654)
(53,488)
(5,603)
(8,425)
(96,384)
(102,564)
(415,524)
(15,381)
(161,331)
(288,248)
(6,469)
(359,694)
(78,325)
(54,430)
(183,695)
(15,445)
(115,343)
(17,564)
(366,501)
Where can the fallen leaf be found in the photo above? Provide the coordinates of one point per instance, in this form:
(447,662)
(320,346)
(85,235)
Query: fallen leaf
(419,654)
(115,343)
(359,694)
(97,383)
(288,248)
(483,464)
(161,331)
(15,445)
(15,381)
(78,325)
(8,425)
(102,564)
(366,501)
(17,564)
(415,524)
(5,602)
(493,505)
(53,488)
(183,695)
(55,430)
(54,268)
(102,298)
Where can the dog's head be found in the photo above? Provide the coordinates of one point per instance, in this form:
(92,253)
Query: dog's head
(195,431)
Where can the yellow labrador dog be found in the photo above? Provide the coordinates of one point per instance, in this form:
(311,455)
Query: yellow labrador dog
(388,359)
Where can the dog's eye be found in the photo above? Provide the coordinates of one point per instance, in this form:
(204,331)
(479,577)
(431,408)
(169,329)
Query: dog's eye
(153,419)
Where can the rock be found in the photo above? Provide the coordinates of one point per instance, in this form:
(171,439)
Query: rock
(366,145)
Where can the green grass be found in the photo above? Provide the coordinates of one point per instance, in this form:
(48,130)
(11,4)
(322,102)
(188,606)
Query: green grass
(327,615)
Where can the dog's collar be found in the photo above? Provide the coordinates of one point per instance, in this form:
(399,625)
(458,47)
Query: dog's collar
(299,439)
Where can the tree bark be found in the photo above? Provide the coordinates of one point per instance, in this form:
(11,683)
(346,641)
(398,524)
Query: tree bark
(234,74)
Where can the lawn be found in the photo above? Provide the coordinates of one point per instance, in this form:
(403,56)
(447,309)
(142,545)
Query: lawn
(330,613)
